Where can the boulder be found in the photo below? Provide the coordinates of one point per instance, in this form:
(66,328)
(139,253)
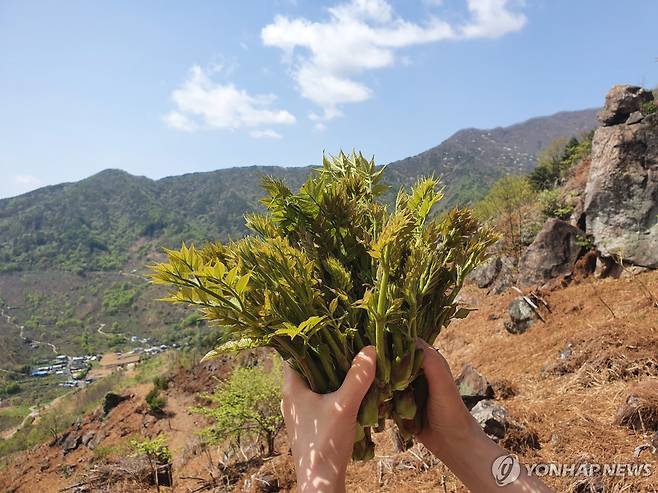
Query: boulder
(522,316)
(71,442)
(485,273)
(621,195)
(635,117)
(88,437)
(473,387)
(492,418)
(621,102)
(112,400)
(553,253)
(96,440)
(495,274)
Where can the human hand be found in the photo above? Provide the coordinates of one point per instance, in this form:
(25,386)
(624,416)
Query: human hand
(447,421)
(451,433)
(322,427)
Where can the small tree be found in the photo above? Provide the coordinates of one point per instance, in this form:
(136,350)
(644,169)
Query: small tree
(156,401)
(506,205)
(157,454)
(247,404)
(556,160)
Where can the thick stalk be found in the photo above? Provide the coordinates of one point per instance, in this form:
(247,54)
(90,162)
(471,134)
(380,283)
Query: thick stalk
(313,374)
(337,349)
(328,367)
(383,365)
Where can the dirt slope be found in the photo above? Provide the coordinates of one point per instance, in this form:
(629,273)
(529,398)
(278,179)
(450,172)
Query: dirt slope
(567,406)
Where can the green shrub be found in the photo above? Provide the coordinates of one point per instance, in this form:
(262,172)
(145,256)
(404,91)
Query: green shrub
(648,107)
(246,405)
(10,388)
(506,205)
(157,453)
(156,401)
(160,382)
(119,297)
(557,159)
(553,204)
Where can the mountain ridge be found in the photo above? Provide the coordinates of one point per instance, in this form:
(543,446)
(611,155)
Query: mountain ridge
(92,224)
(69,251)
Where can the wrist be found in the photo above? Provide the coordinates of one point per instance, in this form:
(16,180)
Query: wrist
(461,446)
(456,444)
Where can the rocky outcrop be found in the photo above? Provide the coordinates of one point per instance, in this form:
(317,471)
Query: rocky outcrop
(553,253)
(622,102)
(112,400)
(621,195)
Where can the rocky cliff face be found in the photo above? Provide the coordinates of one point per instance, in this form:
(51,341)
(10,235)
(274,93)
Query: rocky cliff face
(616,199)
(621,195)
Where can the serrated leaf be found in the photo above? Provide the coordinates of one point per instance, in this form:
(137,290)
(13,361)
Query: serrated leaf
(232,347)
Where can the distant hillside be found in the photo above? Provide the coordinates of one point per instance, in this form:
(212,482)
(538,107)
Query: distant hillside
(471,160)
(102,222)
(105,229)
(105,221)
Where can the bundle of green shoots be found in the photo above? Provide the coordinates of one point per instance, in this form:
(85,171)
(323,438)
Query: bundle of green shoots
(329,271)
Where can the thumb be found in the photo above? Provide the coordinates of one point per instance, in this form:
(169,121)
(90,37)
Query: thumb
(437,371)
(293,383)
(359,377)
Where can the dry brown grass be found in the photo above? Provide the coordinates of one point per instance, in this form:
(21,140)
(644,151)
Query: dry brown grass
(566,416)
(640,408)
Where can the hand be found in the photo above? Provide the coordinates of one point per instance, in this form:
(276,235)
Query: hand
(451,433)
(322,427)
(447,421)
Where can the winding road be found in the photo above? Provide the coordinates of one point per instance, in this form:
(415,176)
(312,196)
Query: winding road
(22,331)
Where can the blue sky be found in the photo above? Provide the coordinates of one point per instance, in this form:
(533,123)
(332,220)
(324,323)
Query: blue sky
(160,88)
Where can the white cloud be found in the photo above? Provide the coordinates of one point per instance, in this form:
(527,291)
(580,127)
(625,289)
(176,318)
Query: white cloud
(28,181)
(18,184)
(202,103)
(361,35)
(268,133)
(180,122)
(492,19)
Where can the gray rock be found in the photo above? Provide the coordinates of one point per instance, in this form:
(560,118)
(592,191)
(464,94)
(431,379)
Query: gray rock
(88,437)
(71,442)
(496,274)
(636,117)
(506,277)
(99,436)
(492,418)
(485,274)
(621,195)
(553,253)
(112,400)
(621,101)
(473,387)
(522,316)
(566,353)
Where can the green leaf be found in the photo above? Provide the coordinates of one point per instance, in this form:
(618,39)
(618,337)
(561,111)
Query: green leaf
(233,347)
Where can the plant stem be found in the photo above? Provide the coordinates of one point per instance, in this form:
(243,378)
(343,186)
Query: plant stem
(383,365)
